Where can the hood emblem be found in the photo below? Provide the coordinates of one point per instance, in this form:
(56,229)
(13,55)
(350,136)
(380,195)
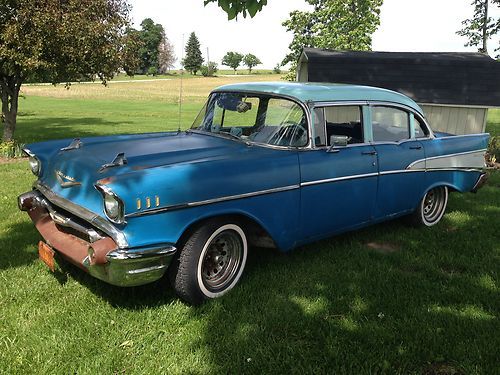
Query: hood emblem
(119,161)
(66,181)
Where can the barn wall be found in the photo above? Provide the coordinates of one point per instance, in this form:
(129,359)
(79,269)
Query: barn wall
(456,120)
(302,72)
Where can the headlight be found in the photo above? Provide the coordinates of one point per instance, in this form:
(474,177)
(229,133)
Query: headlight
(113,206)
(34,165)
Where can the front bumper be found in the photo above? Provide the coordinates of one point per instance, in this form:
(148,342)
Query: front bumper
(91,249)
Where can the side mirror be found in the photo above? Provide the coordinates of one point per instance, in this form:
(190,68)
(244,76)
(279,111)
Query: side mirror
(338,141)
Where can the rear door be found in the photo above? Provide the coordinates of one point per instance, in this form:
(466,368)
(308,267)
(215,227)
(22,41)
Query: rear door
(399,189)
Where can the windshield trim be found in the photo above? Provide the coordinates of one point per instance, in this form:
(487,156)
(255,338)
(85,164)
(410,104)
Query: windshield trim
(302,105)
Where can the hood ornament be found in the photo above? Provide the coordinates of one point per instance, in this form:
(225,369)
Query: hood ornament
(118,161)
(66,181)
(75,144)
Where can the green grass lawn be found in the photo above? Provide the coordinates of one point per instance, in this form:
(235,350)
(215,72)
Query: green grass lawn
(428,303)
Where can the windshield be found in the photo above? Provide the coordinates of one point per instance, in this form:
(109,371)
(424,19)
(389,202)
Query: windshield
(254,118)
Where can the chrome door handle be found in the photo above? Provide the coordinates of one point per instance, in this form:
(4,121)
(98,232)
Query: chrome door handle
(369,153)
(415,147)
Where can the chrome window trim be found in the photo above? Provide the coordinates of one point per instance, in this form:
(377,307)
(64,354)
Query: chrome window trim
(324,105)
(92,218)
(303,105)
(408,109)
(211,201)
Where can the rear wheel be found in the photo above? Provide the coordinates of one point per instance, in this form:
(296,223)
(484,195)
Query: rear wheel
(431,208)
(210,262)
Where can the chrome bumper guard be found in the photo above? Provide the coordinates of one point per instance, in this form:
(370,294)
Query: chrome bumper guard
(122,266)
(481,181)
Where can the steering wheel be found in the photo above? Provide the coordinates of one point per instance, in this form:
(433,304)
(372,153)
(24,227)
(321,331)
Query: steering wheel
(288,134)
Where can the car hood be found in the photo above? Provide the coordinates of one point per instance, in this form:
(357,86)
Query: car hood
(82,168)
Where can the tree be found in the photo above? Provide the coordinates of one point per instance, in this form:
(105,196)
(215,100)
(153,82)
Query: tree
(58,41)
(481,27)
(132,45)
(235,7)
(233,60)
(166,55)
(250,61)
(151,35)
(332,24)
(193,60)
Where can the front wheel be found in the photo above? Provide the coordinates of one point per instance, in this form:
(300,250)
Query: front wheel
(210,262)
(431,208)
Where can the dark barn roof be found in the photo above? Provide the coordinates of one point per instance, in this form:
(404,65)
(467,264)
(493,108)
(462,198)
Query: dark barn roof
(468,79)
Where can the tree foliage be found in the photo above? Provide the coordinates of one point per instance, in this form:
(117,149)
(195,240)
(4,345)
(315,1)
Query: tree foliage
(131,51)
(251,61)
(481,27)
(59,41)
(194,59)
(166,55)
(151,35)
(332,24)
(233,60)
(235,7)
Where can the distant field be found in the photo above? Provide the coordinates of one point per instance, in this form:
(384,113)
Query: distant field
(389,299)
(49,112)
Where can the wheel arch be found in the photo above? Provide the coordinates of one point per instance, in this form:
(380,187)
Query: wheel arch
(256,232)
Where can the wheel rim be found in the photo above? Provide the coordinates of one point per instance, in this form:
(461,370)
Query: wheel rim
(222,260)
(434,205)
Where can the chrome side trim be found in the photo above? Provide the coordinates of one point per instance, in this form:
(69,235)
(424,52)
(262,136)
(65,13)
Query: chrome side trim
(352,177)
(456,160)
(92,218)
(461,135)
(211,201)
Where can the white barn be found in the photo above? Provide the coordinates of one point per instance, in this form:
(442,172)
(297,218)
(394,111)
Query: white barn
(455,90)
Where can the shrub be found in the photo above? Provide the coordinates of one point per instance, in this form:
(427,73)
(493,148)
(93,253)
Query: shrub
(277,69)
(213,69)
(11,149)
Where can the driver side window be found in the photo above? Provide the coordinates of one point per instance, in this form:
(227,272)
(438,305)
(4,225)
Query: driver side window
(338,121)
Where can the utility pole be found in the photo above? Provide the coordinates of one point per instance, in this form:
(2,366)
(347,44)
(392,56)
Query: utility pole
(208,63)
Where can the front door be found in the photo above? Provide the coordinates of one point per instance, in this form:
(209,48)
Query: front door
(338,184)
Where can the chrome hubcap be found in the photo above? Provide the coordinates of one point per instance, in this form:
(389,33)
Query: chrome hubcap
(222,260)
(434,204)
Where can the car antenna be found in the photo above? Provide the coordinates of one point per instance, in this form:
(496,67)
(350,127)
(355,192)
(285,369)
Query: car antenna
(181,87)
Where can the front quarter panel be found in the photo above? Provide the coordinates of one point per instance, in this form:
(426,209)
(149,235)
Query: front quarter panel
(257,182)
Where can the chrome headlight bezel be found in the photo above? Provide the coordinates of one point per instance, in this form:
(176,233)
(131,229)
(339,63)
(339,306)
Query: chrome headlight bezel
(109,198)
(34,162)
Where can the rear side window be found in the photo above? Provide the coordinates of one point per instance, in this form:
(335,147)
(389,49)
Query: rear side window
(390,124)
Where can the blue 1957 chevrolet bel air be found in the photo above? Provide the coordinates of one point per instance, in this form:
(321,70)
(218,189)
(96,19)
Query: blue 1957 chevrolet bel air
(264,164)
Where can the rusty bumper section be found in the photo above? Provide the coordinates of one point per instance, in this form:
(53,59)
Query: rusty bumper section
(93,250)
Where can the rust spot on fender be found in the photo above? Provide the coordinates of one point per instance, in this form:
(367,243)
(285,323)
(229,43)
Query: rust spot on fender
(106,181)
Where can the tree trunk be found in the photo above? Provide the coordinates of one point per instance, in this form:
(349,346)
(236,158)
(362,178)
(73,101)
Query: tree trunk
(9,89)
(485,28)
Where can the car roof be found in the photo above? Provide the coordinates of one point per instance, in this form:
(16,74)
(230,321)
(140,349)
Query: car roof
(323,92)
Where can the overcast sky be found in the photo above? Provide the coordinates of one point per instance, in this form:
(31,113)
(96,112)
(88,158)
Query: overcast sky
(406,25)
